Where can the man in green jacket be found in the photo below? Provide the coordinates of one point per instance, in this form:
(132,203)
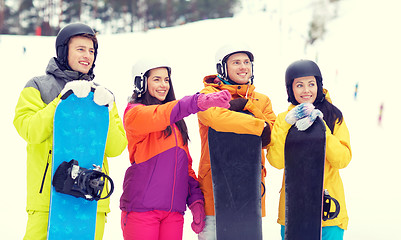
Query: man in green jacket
(72,69)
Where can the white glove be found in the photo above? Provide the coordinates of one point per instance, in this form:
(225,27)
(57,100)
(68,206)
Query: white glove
(103,97)
(80,88)
(299,112)
(306,122)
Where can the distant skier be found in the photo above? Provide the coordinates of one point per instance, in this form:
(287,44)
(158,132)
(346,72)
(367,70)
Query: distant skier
(356,91)
(234,64)
(160,182)
(304,84)
(72,69)
(381,114)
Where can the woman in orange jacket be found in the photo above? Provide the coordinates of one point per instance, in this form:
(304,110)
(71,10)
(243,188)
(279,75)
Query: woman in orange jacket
(234,64)
(160,182)
(304,85)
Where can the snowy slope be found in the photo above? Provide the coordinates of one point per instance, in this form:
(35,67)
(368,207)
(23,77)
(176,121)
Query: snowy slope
(361,46)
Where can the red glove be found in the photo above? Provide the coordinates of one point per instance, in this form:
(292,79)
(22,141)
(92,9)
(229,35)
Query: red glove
(198,212)
(216,99)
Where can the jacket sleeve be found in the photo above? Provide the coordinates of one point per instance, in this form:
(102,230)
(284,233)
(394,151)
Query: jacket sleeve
(266,114)
(33,118)
(116,138)
(194,193)
(224,120)
(141,119)
(184,107)
(338,147)
(275,150)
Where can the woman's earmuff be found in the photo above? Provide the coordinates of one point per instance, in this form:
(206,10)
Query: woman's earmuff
(140,85)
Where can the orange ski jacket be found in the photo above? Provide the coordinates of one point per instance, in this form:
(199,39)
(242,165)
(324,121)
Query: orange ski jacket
(225,120)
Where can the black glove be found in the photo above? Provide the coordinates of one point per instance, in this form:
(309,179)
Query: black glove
(238,104)
(266,135)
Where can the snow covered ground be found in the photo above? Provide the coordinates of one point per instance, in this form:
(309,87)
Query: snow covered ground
(361,46)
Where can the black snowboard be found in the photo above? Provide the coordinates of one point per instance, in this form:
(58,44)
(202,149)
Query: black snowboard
(304,168)
(236,175)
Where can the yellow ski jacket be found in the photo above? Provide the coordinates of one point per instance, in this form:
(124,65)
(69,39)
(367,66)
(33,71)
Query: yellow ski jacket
(225,120)
(34,122)
(338,156)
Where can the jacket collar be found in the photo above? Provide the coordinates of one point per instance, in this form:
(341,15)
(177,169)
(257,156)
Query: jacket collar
(67,75)
(235,90)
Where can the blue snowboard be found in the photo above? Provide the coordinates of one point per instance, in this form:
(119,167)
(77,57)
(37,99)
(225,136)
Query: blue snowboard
(304,169)
(80,133)
(236,175)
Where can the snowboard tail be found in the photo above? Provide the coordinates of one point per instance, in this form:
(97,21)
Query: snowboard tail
(236,175)
(304,170)
(80,133)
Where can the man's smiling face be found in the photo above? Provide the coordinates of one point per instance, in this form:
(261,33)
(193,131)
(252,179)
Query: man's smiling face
(239,68)
(81,54)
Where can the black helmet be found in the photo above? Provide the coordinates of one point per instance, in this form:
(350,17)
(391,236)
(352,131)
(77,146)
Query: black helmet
(303,68)
(64,36)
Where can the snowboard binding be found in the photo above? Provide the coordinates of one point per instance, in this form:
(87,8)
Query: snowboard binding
(77,181)
(327,199)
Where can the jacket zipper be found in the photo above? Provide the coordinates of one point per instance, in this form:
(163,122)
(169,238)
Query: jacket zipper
(44,175)
(175,169)
(106,182)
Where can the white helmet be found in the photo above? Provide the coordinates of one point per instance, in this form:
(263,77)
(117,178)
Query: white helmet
(141,67)
(225,52)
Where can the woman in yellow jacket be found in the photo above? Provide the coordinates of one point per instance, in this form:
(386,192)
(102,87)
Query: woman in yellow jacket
(304,86)
(234,65)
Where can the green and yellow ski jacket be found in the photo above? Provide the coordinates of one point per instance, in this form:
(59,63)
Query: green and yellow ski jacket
(34,122)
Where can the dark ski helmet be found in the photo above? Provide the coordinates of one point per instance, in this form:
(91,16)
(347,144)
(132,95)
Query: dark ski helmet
(225,52)
(64,36)
(303,68)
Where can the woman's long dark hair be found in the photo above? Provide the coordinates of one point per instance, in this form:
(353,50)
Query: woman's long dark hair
(331,114)
(148,99)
